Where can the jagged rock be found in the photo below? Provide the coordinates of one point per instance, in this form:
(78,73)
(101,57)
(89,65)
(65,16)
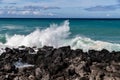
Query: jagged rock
(38,73)
(71,71)
(8,50)
(2,77)
(84,78)
(59,64)
(23,78)
(9,67)
(31,77)
(60,78)
(46,77)
(16,78)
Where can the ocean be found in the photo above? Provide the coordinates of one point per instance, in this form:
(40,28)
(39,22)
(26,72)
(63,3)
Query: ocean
(79,34)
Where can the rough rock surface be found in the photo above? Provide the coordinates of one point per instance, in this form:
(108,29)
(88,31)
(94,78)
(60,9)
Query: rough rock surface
(59,64)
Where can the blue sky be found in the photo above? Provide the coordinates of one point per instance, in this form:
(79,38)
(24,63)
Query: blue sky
(60,8)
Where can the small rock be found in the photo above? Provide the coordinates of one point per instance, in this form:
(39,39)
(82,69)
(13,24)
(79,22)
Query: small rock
(31,77)
(38,73)
(9,67)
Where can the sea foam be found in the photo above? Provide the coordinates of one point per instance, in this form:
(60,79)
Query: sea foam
(22,65)
(52,36)
(57,36)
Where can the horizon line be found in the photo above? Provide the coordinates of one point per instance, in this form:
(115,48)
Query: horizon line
(61,18)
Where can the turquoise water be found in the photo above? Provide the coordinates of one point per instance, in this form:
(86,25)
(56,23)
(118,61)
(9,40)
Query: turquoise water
(79,34)
(104,30)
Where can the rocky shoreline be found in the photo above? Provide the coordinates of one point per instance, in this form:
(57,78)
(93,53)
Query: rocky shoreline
(62,63)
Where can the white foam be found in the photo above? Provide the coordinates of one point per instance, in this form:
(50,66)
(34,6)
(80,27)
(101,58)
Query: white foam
(88,44)
(2,48)
(12,27)
(58,36)
(52,36)
(22,65)
(2,51)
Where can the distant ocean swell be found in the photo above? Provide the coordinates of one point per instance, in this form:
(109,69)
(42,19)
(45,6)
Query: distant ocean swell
(57,36)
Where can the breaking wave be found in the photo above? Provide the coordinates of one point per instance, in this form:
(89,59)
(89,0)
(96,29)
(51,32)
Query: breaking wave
(57,36)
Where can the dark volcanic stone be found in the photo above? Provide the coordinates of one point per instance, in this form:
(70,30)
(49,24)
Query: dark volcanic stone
(59,64)
(9,67)
(71,72)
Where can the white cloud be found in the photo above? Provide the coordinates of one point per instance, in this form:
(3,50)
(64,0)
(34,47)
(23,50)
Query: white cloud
(51,14)
(10,1)
(62,3)
(1,12)
(107,15)
(37,13)
(11,12)
(24,12)
(30,13)
(76,3)
(49,7)
(18,12)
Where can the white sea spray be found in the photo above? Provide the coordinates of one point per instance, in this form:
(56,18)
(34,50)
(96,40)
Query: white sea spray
(57,36)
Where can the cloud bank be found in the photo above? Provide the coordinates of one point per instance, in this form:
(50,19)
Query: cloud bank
(59,8)
(103,8)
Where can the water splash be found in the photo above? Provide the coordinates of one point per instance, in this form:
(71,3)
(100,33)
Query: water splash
(57,36)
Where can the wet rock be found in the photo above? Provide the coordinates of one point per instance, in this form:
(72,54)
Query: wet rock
(30,58)
(84,78)
(23,78)
(46,77)
(38,73)
(60,78)
(2,77)
(8,50)
(71,71)
(16,78)
(48,48)
(9,67)
(59,64)
(31,77)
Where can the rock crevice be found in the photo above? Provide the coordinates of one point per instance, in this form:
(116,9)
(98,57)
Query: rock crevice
(62,63)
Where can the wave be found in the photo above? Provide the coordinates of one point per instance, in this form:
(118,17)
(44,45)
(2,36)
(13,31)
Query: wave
(52,36)
(12,27)
(57,36)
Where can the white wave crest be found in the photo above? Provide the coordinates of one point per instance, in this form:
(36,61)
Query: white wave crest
(53,36)
(58,36)
(88,44)
(12,27)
